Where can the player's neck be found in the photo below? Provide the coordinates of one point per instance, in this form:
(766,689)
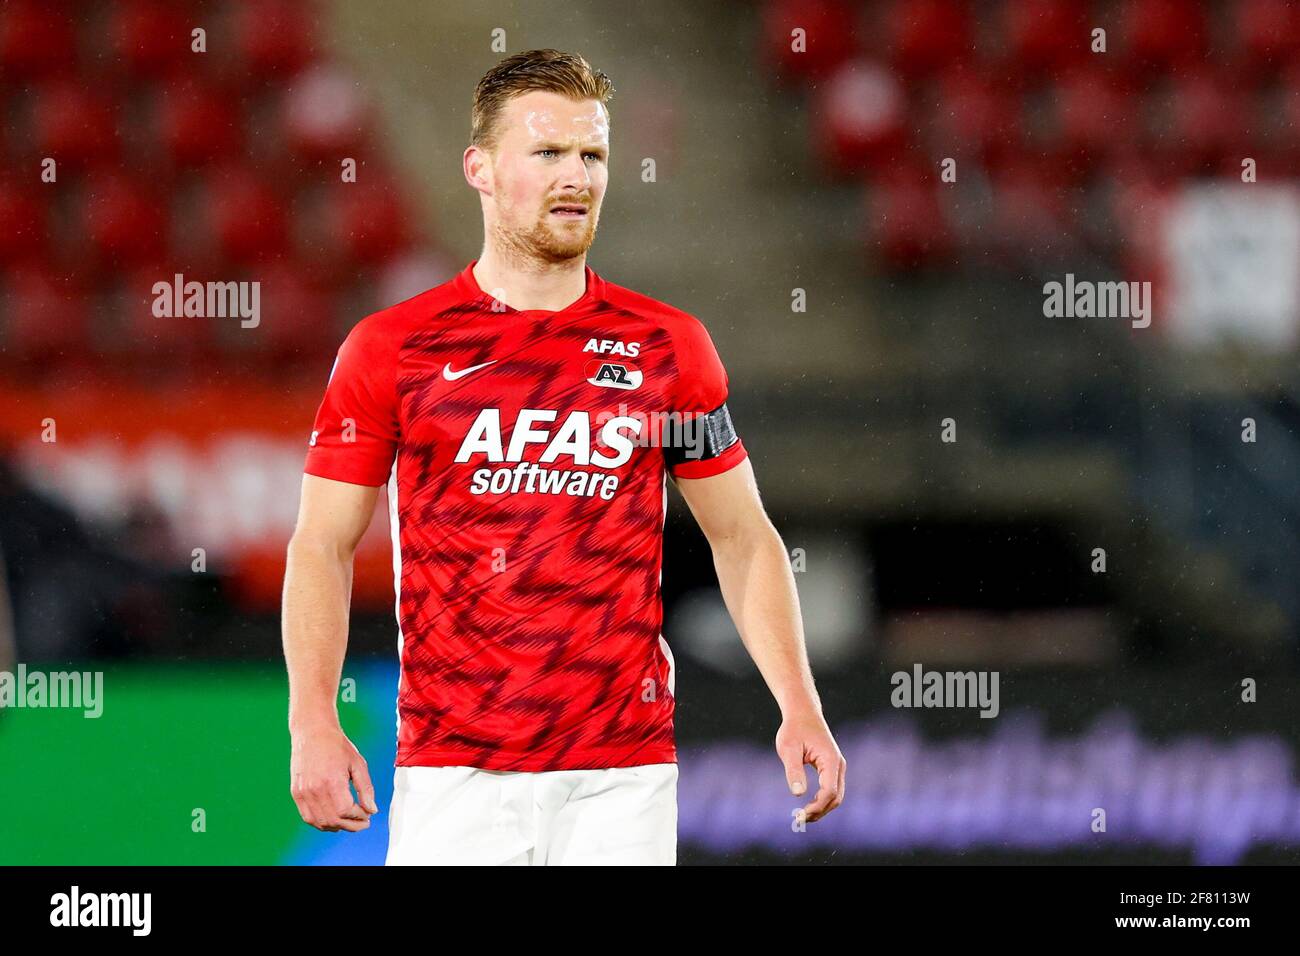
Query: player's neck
(546,286)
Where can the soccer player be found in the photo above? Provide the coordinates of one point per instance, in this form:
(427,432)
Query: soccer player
(525,416)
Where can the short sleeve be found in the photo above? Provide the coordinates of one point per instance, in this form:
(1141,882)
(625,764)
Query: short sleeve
(705,443)
(356,432)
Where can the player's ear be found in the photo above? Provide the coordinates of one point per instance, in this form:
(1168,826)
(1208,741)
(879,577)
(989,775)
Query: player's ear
(478,169)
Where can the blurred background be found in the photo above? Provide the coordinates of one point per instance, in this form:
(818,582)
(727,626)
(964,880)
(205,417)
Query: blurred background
(863,202)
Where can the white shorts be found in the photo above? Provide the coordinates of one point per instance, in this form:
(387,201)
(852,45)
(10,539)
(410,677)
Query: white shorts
(466,816)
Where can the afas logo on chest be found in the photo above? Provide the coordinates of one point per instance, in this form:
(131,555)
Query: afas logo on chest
(612,347)
(571,440)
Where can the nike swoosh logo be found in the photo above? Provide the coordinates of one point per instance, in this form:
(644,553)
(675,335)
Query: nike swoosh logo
(451,376)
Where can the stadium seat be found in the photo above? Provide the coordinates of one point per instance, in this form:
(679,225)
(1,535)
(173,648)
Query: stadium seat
(1287,122)
(46,316)
(197,123)
(324,115)
(1267,34)
(36,39)
(366,221)
(275,38)
(973,116)
(168,163)
(909,226)
(1031,212)
(124,221)
(1206,124)
(151,37)
(23,212)
(1162,34)
(1048,35)
(1139,196)
(408,275)
(928,35)
(246,218)
(1090,117)
(297,318)
(829,37)
(858,118)
(147,337)
(75,124)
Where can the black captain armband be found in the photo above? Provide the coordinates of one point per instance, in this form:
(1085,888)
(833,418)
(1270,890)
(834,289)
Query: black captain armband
(698,437)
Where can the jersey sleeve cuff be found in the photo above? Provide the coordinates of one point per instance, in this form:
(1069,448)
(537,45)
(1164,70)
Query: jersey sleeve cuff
(323,464)
(708,467)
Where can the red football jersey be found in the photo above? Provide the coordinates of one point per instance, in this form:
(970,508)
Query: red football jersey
(526,455)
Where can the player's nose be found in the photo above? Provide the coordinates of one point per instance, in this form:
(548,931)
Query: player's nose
(574,175)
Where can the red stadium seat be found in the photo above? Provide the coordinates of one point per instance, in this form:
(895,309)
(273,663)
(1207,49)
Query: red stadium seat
(124,221)
(36,39)
(177,337)
(408,275)
(928,35)
(46,316)
(325,115)
(859,118)
(1090,117)
(1267,33)
(908,224)
(366,220)
(151,37)
(1286,121)
(198,124)
(1047,35)
(973,116)
(115,95)
(1031,212)
(1206,124)
(1134,167)
(275,37)
(1140,194)
(246,217)
(1163,34)
(829,36)
(297,317)
(75,124)
(23,213)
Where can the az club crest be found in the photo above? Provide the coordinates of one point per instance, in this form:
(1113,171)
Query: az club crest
(613,375)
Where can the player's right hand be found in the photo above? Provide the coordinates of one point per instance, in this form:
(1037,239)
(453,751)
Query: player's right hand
(323,763)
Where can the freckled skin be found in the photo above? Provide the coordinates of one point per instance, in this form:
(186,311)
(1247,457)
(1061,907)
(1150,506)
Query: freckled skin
(549,150)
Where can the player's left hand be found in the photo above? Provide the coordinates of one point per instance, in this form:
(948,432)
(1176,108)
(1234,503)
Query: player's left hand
(805,739)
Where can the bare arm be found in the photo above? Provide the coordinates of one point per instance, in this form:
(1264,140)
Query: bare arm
(759,590)
(332,517)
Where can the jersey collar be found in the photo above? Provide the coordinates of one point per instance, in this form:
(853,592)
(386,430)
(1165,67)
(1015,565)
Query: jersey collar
(468,286)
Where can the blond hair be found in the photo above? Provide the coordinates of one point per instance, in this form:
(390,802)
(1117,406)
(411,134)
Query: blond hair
(565,73)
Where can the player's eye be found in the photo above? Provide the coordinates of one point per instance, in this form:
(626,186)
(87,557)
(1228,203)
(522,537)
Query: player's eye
(596,156)
(546,152)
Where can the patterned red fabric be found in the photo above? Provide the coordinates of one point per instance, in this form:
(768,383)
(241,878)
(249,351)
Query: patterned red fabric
(529,509)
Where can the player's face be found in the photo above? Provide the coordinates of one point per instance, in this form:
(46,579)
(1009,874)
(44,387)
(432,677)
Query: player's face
(549,173)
